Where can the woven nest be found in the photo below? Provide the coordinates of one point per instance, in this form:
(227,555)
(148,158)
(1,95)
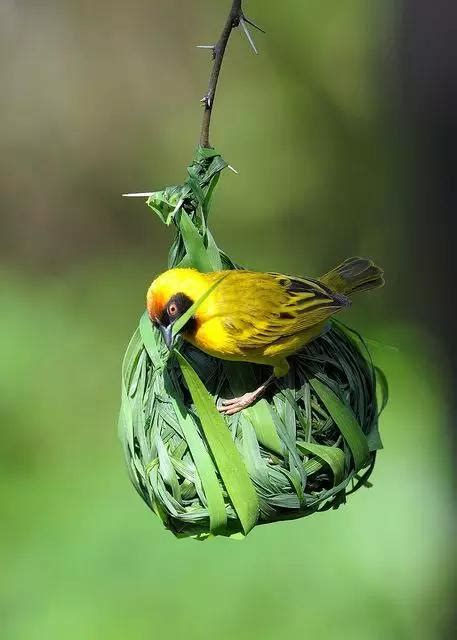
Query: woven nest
(316,445)
(308,444)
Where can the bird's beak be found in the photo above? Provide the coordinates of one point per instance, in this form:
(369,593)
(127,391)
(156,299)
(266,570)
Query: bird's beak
(167,334)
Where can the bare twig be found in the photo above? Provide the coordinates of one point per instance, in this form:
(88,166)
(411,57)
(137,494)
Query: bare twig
(235,18)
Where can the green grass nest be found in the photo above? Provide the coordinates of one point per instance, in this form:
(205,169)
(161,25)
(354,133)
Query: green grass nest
(303,448)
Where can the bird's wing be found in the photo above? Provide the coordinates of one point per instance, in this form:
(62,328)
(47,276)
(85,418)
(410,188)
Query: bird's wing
(263,308)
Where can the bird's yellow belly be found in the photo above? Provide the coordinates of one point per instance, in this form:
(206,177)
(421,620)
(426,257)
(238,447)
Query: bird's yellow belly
(214,339)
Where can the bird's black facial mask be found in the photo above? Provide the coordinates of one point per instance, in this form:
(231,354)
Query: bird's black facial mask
(175,308)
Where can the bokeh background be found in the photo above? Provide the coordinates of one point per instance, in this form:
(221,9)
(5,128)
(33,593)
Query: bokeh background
(342,132)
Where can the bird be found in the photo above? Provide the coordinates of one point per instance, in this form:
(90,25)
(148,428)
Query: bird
(249,316)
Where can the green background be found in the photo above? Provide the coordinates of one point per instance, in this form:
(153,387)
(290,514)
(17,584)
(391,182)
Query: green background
(101,98)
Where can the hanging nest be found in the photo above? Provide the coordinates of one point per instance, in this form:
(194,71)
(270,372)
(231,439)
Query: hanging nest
(308,444)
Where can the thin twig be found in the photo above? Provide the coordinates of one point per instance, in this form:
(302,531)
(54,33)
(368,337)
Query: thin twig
(234,19)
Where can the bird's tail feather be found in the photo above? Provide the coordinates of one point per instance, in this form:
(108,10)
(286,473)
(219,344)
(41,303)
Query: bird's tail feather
(354,275)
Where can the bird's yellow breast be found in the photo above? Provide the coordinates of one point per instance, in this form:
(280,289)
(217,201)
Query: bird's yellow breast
(211,336)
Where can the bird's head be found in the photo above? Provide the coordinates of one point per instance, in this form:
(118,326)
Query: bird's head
(170,296)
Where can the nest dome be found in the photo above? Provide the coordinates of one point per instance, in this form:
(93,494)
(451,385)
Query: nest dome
(306,446)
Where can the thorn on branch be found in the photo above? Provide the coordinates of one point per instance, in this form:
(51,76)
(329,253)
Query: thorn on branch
(206,101)
(253,24)
(243,23)
(212,47)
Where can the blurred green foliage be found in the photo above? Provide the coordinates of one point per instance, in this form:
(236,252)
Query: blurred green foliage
(100,98)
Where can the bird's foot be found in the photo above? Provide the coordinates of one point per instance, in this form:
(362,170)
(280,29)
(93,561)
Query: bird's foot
(230,407)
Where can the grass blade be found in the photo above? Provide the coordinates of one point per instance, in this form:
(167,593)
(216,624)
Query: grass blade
(345,421)
(194,244)
(383,388)
(148,335)
(333,456)
(227,457)
(205,468)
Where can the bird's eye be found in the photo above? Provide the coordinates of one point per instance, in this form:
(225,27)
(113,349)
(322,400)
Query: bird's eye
(172,309)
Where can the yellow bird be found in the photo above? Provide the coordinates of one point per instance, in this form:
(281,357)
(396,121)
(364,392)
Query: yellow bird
(255,317)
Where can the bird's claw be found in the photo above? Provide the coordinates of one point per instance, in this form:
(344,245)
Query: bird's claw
(230,407)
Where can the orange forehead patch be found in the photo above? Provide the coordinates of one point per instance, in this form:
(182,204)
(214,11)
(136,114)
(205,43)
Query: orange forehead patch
(155,303)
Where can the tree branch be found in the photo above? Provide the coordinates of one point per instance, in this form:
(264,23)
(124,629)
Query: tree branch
(234,19)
